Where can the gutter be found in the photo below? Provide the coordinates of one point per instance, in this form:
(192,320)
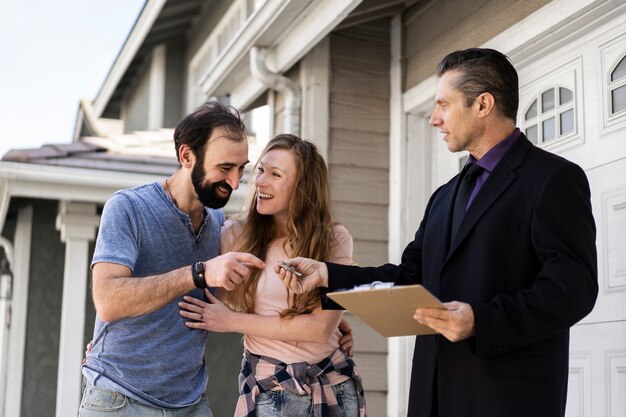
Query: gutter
(280,83)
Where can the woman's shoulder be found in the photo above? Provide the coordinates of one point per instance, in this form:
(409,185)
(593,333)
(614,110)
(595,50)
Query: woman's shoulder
(231,230)
(342,245)
(232,226)
(341,232)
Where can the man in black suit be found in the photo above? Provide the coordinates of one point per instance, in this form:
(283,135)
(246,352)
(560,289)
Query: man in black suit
(508,245)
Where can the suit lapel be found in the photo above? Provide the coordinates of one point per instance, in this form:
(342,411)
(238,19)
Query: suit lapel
(443,210)
(498,182)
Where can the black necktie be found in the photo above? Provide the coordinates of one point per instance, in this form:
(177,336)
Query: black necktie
(468,182)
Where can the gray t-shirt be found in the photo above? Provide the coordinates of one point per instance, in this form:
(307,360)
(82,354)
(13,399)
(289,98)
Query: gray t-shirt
(153,358)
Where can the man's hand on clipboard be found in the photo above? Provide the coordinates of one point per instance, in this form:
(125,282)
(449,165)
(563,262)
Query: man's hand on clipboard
(455,324)
(314,274)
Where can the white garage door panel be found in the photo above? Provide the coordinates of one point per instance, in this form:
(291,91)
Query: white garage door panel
(597,383)
(608,188)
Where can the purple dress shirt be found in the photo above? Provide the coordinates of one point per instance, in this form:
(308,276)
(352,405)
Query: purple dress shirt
(490,160)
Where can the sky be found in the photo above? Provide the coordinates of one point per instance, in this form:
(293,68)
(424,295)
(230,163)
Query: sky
(52,54)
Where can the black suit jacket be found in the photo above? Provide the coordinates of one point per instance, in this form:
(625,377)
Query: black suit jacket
(524,258)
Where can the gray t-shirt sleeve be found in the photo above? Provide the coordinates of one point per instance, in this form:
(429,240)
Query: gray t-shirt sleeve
(117,236)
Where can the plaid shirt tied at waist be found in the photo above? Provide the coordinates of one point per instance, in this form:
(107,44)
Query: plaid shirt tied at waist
(299,379)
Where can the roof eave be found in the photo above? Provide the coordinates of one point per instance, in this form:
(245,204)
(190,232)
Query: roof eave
(64,183)
(141,28)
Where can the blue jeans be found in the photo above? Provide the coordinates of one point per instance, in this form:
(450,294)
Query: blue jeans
(99,402)
(285,404)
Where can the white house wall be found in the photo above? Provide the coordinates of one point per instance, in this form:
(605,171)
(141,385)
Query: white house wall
(17,335)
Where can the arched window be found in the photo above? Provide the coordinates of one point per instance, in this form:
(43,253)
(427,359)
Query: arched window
(550,115)
(617,87)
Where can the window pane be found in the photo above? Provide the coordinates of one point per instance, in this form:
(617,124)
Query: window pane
(547,100)
(532,111)
(619,71)
(567,122)
(565,95)
(618,98)
(531,133)
(548,129)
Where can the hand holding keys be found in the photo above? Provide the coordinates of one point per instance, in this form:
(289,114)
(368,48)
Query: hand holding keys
(289,268)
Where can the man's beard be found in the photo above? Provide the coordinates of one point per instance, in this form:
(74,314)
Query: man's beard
(207,194)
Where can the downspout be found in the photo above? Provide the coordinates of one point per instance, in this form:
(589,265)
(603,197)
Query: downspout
(280,83)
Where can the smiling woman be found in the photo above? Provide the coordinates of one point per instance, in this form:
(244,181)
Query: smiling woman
(275,180)
(287,337)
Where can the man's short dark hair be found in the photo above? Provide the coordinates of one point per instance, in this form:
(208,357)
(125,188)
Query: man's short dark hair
(484,71)
(195,129)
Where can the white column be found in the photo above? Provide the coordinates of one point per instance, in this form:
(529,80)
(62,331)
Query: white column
(156,97)
(6,282)
(77,223)
(399,348)
(19,312)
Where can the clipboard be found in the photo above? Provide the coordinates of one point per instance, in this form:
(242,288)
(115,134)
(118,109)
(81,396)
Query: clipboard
(388,310)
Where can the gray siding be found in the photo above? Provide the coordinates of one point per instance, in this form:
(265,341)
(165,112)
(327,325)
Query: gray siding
(44,313)
(223,358)
(359,136)
(204,24)
(359,171)
(137,101)
(371,358)
(174,82)
(428,38)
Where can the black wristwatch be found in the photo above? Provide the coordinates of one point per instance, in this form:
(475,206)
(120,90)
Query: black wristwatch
(197,271)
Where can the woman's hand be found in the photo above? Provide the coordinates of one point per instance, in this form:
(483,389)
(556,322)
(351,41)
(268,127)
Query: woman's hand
(346,342)
(87,350)
(212,316)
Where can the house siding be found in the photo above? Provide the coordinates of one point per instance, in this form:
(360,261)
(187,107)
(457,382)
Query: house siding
(359,171)
(203,25)
(279,101)
(223,358)
(359,136)
(174,83)
(137,101)
(428,38)
(45,292)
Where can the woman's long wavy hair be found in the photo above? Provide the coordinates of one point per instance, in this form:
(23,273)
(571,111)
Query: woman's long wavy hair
(309,225)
